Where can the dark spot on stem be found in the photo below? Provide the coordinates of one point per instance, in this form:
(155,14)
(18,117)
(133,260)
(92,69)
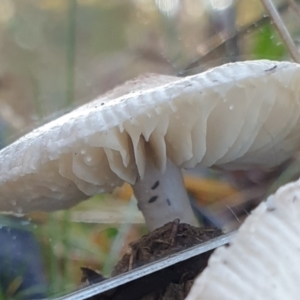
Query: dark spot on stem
(169,202)
(155,185)
(152,199)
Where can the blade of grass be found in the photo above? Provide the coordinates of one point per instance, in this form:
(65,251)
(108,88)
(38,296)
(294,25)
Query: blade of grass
(1,295)
(71,52)
(281,28)
(65,239)
(36,96)
(52,265)
(119,239)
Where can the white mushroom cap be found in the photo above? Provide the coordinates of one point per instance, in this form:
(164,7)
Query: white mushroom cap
(235,116)
(263,261)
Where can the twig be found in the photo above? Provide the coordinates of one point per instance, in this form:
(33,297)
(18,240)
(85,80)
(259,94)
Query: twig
(232,211)
(295,6)
(282,30)
(220,39)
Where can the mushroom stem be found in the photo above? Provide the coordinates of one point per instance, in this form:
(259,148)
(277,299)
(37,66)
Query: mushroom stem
(162,197)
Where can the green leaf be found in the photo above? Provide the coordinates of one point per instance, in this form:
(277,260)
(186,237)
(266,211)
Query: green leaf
(267,44)
(111,232)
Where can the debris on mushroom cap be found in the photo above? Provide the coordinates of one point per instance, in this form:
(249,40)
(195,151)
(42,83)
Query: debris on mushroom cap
(262,261)
(234,116)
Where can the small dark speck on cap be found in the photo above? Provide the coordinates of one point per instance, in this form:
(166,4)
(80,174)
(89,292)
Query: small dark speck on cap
(102,103)
(169,202)
(271,209)
(271,69)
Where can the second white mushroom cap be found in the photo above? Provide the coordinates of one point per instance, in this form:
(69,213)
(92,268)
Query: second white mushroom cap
(263,261)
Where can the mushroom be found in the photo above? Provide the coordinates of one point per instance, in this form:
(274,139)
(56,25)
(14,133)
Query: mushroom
(262,261)
(236,116)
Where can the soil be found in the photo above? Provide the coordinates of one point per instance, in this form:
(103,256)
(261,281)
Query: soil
(175,282)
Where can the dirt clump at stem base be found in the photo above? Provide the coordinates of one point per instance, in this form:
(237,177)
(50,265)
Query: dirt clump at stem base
(172,283)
